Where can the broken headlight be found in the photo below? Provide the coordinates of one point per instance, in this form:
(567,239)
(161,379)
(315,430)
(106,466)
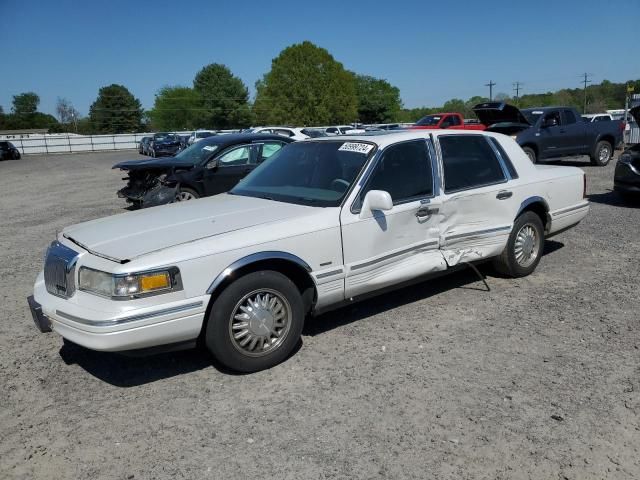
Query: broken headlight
(126,286)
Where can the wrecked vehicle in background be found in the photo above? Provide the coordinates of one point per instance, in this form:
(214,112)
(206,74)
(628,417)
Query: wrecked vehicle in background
(211,166)
(164,145)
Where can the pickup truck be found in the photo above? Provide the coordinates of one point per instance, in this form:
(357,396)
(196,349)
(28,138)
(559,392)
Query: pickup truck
(453,121)
(553,132)
(320,224)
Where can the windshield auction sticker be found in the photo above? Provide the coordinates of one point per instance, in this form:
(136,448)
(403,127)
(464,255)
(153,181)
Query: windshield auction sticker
(363,148)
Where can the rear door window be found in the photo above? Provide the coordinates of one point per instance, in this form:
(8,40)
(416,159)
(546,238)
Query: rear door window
(469,162)
(569,117)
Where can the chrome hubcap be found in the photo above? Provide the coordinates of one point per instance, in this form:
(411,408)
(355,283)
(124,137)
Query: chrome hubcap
(184,196)
(526,246)
(604,154)
(260,322)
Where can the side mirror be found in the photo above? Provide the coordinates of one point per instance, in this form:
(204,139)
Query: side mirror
(213,164)
(550,122)
(375,200)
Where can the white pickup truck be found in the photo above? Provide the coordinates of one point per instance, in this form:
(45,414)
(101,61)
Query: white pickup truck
(323,222)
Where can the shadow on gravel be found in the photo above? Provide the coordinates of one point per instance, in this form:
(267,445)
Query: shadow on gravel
(123,371)
(613,199)
(397,298)
(130,371)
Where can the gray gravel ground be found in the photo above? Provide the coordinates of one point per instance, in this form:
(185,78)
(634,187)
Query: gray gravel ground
(538,378)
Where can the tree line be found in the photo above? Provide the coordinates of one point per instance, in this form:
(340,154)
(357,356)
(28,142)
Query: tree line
(305,86)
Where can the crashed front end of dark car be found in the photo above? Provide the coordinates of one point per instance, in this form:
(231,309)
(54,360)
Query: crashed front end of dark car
(148,187)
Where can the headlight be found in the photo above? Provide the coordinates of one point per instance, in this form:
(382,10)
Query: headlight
(134,285)
(625,158)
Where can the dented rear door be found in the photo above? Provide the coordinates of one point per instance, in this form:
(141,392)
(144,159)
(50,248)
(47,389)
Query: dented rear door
(479,201)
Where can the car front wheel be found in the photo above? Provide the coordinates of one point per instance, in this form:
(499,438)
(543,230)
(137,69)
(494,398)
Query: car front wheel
(531,154)
(524,247)
(256,322)
(184,194)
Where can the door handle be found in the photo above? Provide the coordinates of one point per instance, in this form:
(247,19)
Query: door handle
(504,194)
(426,211)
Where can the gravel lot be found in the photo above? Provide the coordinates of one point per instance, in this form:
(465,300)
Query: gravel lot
(538,378)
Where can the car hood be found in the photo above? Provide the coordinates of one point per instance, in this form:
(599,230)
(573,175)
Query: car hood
(168,162)
(491,113)
(129,235)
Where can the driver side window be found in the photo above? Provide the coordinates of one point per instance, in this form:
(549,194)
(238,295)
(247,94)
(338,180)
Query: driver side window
(237,156)
(404,171)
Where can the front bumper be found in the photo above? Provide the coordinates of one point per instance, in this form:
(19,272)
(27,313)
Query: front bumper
(83,320)
(626,179)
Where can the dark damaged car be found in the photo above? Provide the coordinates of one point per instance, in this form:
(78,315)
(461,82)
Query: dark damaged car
(211,166)
(165,145)
(626,180)
(552,132)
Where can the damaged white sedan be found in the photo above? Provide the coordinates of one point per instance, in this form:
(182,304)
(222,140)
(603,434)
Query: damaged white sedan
(320,223)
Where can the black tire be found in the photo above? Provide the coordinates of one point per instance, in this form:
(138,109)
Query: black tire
(602,154)
(188,191)
(531,153)
(220,325)
(16,155)
(507,263)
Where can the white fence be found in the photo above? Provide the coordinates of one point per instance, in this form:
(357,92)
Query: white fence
(70,143)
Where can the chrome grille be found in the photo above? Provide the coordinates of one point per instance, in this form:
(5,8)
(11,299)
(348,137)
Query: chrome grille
(59,270)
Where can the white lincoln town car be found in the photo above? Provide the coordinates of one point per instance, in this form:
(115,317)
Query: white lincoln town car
(323,222)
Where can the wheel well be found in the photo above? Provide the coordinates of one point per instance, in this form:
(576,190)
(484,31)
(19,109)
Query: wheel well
(297,274)
(539,209)
(606,138)
(532,146)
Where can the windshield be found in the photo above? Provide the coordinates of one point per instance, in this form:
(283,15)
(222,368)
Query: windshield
(532,116)
(308,173)
(429,121)
(196,154)
(164,137)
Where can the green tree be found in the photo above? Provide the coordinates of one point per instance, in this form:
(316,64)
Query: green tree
(306,86)
(115,110)
(25,103)
(176,108)
(378,100)
(224,98)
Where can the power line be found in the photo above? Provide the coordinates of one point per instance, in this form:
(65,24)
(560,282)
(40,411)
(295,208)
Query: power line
(517,87)
(491,84)
(586,81)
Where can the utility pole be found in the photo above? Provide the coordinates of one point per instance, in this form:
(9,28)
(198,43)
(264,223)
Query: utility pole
(516,87)
(491,84)
(585,81)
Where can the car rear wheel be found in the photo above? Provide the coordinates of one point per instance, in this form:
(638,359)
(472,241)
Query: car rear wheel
(256,322)
(602,154)
(184,194)
(524,247)
(531,154)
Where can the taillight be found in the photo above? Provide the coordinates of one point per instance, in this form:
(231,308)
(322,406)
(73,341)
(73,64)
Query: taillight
(623,125)
(584,185)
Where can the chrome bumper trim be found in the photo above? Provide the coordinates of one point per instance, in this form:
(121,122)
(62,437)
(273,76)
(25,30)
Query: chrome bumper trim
(132,318)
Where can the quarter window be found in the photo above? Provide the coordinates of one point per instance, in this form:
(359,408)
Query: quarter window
(269,149)
(468,162)
(404,171)
(238,156)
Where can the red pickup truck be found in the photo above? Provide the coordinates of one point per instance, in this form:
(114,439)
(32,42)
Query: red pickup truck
(446,120)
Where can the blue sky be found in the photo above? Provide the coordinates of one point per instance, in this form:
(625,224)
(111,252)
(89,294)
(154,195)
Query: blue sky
(432,51)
